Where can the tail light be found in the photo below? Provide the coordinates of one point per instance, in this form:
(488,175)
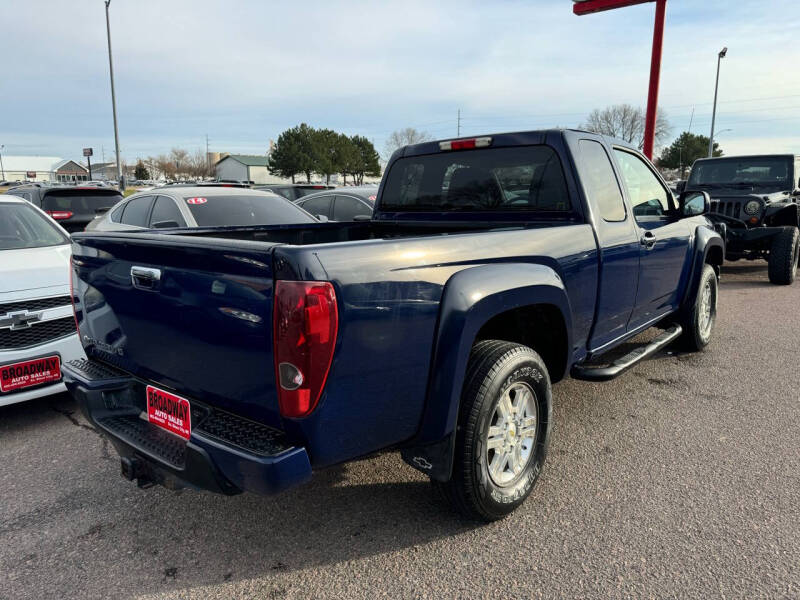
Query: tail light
(60,215)
(305,325)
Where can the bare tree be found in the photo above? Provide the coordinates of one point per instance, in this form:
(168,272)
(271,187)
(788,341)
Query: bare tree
(626,122)
(166,166)
(180,158)
(199,167)
(404,137)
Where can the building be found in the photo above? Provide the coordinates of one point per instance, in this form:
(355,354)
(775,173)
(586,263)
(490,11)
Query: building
(68,171)
(245,167)
(41,168)
(104,171)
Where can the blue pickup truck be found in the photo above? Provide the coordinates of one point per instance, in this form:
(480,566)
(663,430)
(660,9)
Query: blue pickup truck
(240,359)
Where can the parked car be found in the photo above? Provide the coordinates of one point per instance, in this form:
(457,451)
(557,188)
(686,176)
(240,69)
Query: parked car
(73,207)
(293,191)
(199,206)
(492,267)
(755,199)
(341,204)
(37,325)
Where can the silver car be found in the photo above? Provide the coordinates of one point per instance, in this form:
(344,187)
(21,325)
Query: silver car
(199,206)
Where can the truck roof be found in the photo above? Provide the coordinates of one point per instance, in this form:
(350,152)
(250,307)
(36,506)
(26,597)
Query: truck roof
(509,138)
(746,156)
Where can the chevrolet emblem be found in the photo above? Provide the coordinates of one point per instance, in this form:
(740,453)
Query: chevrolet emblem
(20,319)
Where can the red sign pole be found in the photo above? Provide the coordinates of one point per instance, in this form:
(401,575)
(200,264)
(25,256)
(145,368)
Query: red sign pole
(585,7)
(655,72)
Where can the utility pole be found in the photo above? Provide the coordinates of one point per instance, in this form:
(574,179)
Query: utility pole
(720,56)
(120,180)
(2,170)
(208,159)
(458,131)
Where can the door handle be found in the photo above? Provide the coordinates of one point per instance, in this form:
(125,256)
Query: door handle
(145,278)
(648,240)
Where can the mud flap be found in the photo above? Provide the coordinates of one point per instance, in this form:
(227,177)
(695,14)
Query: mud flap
(435,460)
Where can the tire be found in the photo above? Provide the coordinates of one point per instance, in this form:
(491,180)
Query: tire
(503,379)
(783,256)
(699,324)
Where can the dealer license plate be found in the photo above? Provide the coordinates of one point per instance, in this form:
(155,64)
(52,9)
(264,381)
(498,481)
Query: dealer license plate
(169,411)
(29,373)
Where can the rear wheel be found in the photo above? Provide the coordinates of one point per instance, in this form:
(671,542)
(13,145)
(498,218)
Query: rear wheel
(503,430)
(699,324)
(783,256)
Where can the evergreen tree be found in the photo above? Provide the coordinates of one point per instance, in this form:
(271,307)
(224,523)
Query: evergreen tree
(140,172)
(686,149)
(293,153)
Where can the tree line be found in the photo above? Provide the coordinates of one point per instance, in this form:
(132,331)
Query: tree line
(178,164)
(303,150)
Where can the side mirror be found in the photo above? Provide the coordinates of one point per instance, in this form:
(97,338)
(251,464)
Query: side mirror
(165,224)
(694,203)
(322,218)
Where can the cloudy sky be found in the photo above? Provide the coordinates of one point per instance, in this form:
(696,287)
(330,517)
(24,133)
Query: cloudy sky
(242,71)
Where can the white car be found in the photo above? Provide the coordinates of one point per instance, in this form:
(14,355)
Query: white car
(37,327)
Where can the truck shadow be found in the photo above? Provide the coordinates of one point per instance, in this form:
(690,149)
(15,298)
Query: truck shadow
(368,507)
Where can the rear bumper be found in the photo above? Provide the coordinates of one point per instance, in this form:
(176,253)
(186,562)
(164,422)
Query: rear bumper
(66,348)
(225,453)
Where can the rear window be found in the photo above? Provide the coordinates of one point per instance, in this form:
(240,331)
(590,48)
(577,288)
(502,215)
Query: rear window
(21,226)
(80,204)
(221,211)
(527,178)
(300,191)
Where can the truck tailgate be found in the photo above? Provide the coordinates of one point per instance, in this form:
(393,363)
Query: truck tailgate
(192,315)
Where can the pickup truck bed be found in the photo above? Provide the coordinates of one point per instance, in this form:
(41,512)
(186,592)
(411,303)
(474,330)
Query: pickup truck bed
(295,347)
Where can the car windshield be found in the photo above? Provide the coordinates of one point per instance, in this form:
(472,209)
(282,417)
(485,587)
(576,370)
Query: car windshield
(80,203)
(22,226)
(528,178)
(767,171)
(251,209)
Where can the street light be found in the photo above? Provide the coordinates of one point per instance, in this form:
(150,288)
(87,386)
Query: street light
(120,181)
(720,56)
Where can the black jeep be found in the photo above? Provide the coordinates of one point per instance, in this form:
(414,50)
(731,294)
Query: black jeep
(754,201)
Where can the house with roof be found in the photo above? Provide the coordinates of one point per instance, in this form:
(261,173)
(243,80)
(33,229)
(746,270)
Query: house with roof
(67,171)
(41,168)
(245,167)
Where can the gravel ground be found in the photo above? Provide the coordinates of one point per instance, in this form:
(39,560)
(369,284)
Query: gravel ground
(679,479)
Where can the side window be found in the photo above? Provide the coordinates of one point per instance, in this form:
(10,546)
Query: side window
(136,211)
(347,208)
(165,209)
(600,182)
(648,196)
(27,195)
(116,214)
(317,206)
